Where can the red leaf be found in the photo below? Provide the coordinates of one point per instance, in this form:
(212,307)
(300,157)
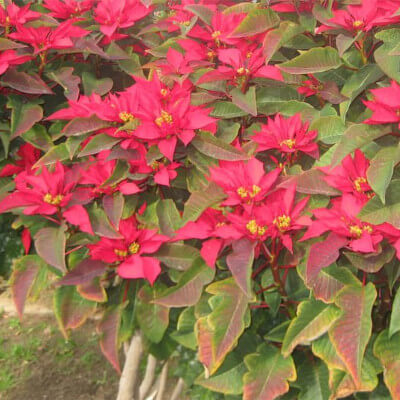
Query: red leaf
(25,83)
(83,273)
(323,254)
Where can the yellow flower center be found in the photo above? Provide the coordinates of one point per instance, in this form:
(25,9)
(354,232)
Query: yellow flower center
(282,222)
(165,117)
(53,200)
(255,229)
(211,55)
(357,230)
(164,92)
(358,24)
(216,34)
(242,71)
(120,253)
(249,54)
(244,193)
(126,117)
(134,248)
(155,165)
(289,143)
(219,224)
(359,182)
(185,23)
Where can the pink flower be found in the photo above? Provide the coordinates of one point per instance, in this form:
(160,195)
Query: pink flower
(45,38)
(48,193)
(116,14)
(131,253)
(98,173)
(65,9)
(27,157)
(351,176)
(385,106)
(362,17)
(13,15)
(9,58)
(287,135)
(244,182)
(342,220)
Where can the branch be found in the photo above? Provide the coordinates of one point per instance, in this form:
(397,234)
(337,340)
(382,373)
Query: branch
(163,382)
(176,395)
(129,375)
(148,377)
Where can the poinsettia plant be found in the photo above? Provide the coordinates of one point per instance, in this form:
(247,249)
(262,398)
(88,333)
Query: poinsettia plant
(218,180)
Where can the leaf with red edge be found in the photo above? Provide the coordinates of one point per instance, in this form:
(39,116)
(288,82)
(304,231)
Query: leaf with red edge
(203,12)
(23,115)
(218,332)
(7,44)
(50,245)
(21,81)
(69,82)
(93,290)
(351,332)
(188,290)
(245,101)
(71,309)
(108,329)
(23,277)
(269,373)
(83,273)
(323,254)
(256,21)
(153,318)
(387,350)
(240,263)
(80,126)
(113,205)
(310,182)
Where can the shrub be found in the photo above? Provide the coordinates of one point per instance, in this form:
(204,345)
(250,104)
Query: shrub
(218,176)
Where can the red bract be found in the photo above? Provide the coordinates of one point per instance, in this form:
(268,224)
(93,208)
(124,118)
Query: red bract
(116,14)
(310,87)
(351,176)
(98,174)
(244,182)
(239,67)
(27,157)
(45,38)
(363,17)
(342,220)
(130,254)
(13,15)
(9,58)
(48,193)
(287,135)
(385,106)
(65,9)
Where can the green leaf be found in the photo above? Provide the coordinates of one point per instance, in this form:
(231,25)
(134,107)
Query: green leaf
(318,59)
(375,212)
(314,318)
(184,333)
(26,271)
(153,318)
(99,142)
(387,350)
(177,255)
(168,217)
(203,12)
(56,153)
(200,201)
(188,290)
(355,137)
(256,21)
(357,83)
(213,147)
(245,101)
(218,332)
(386,56)
(381,168)
(227,382)
(71,310)
(69,82)
(113,205)
(38,137)
(372,262)
(240,263)
(330,129)
(101,224)
(351,332)
(23,115)
(313,381)
(269,373)
(227,110)
(394,325)
(91,84)
(50,245)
